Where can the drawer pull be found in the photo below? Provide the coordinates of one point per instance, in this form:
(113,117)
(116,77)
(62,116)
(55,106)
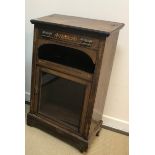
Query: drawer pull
(86,42)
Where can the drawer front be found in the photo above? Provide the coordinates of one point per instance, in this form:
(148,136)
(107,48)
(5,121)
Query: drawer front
(71,38)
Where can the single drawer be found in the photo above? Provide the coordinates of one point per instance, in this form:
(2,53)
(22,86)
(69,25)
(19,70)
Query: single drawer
(66,37)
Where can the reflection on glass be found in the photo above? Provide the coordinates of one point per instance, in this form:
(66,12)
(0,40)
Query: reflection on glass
(61,99)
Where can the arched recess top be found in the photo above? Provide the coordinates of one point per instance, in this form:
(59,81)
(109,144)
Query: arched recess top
(67,56)
(89,52)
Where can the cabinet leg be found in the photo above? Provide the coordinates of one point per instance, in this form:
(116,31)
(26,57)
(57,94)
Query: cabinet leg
(98,132)
(83,148)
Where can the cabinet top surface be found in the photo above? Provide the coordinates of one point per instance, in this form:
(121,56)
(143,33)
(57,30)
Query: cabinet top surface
(99,26)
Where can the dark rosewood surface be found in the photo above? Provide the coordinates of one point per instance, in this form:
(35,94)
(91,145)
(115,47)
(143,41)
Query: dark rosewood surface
(72,62)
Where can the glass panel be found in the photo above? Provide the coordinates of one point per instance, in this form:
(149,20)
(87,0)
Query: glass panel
(61,99)
(66,56)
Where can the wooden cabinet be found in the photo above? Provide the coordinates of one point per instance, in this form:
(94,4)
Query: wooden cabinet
(72,62)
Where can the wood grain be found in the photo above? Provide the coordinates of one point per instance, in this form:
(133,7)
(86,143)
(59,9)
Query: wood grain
(92,25)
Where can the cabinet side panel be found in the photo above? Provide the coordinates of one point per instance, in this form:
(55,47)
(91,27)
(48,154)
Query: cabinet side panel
(32,102)
(104,78)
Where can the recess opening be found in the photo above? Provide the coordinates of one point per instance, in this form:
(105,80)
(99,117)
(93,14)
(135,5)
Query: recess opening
(66,56)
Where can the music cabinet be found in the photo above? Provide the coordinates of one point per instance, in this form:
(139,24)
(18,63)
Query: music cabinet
(71,66)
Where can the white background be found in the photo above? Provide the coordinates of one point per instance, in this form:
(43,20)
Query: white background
(116,107)
(142,77)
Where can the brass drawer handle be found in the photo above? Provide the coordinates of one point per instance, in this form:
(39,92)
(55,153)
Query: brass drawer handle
(86,42)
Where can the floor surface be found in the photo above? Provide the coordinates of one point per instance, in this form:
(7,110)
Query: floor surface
(40,143)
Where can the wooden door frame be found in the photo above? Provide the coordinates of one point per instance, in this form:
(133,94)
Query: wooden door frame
(37,87)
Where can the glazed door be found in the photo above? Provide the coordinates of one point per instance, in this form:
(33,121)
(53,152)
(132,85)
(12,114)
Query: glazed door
(62,98)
